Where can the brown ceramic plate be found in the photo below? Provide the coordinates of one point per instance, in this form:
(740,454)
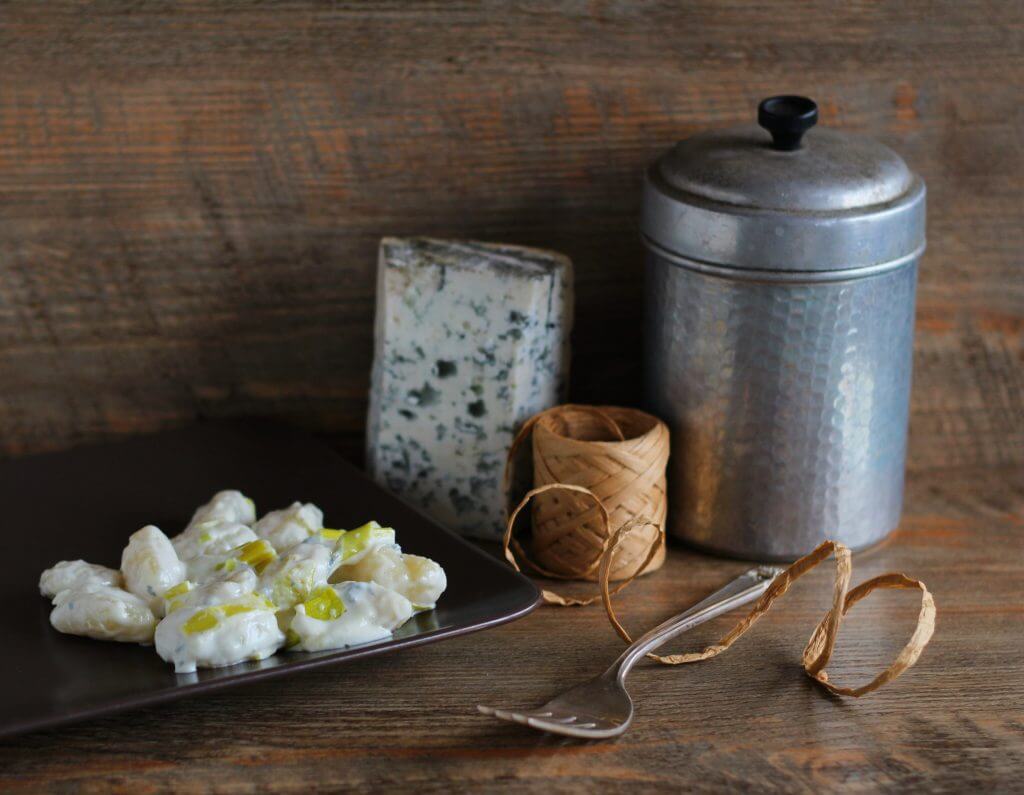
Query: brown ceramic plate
(84,503)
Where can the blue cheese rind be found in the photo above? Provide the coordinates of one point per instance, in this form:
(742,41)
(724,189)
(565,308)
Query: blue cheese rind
(471,340)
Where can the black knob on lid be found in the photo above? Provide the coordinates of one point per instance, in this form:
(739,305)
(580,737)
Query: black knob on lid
(787,118)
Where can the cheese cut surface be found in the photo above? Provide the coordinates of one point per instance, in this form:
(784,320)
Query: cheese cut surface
(471,339)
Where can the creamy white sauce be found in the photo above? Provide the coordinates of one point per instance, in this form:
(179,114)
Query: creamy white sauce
(372,612)
(213,537)
(218,624)
(203,568)
(418,579)
(289,526)
(70,574)
(293,576)
(226,506)
(150,565)
(356,544)
(103,612)
(246,636)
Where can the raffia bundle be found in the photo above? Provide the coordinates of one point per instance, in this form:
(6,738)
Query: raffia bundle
(595,469)
(620,455)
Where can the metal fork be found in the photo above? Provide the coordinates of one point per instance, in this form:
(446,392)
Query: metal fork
(602,708)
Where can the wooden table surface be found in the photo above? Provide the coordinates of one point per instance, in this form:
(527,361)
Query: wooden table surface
(191,196)
(750,718)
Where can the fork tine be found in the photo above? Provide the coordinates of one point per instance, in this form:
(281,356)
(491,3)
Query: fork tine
(544,720)
(506,714)
(541,724)
(550,726)
(538,719)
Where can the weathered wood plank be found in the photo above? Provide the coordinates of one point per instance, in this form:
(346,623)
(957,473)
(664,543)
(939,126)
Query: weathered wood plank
(748,719)
(191,193)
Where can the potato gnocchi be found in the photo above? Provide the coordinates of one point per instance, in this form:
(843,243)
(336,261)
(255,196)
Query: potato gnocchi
(229,588)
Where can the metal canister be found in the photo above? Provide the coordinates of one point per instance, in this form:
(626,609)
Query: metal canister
(781,275)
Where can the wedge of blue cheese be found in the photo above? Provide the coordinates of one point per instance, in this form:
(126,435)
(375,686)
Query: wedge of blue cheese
(471,339)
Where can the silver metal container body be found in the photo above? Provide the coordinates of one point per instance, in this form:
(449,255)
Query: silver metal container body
(779,338)
(788,404)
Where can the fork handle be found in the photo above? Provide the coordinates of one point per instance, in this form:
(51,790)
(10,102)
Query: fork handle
(740,591)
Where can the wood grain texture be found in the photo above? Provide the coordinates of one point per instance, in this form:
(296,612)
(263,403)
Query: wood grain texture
(191,194)
(749,720)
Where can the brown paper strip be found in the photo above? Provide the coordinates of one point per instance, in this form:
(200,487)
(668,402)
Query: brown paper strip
(512,548)
(819,648)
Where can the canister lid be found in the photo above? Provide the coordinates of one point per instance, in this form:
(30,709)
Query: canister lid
(786,197)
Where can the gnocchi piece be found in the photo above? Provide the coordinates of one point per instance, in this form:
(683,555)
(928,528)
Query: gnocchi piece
(174,598)
(103,612)
(418,579)
(150,565)
(289,526)
(346,614)
(354,545)
(211,538)
(229,506)
(256,554)
(76,574)
(236,584)
(219,624)
(292,577)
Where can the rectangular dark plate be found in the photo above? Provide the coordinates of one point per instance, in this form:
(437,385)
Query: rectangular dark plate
(84,503)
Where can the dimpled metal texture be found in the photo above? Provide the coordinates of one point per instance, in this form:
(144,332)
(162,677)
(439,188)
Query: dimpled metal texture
(788,404)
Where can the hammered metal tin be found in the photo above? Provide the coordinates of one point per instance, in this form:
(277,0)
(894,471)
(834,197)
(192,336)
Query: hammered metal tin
(781,360)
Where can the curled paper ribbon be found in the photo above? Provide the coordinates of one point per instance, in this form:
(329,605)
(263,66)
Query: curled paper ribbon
(512,548)
(819,648)
(618,453)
